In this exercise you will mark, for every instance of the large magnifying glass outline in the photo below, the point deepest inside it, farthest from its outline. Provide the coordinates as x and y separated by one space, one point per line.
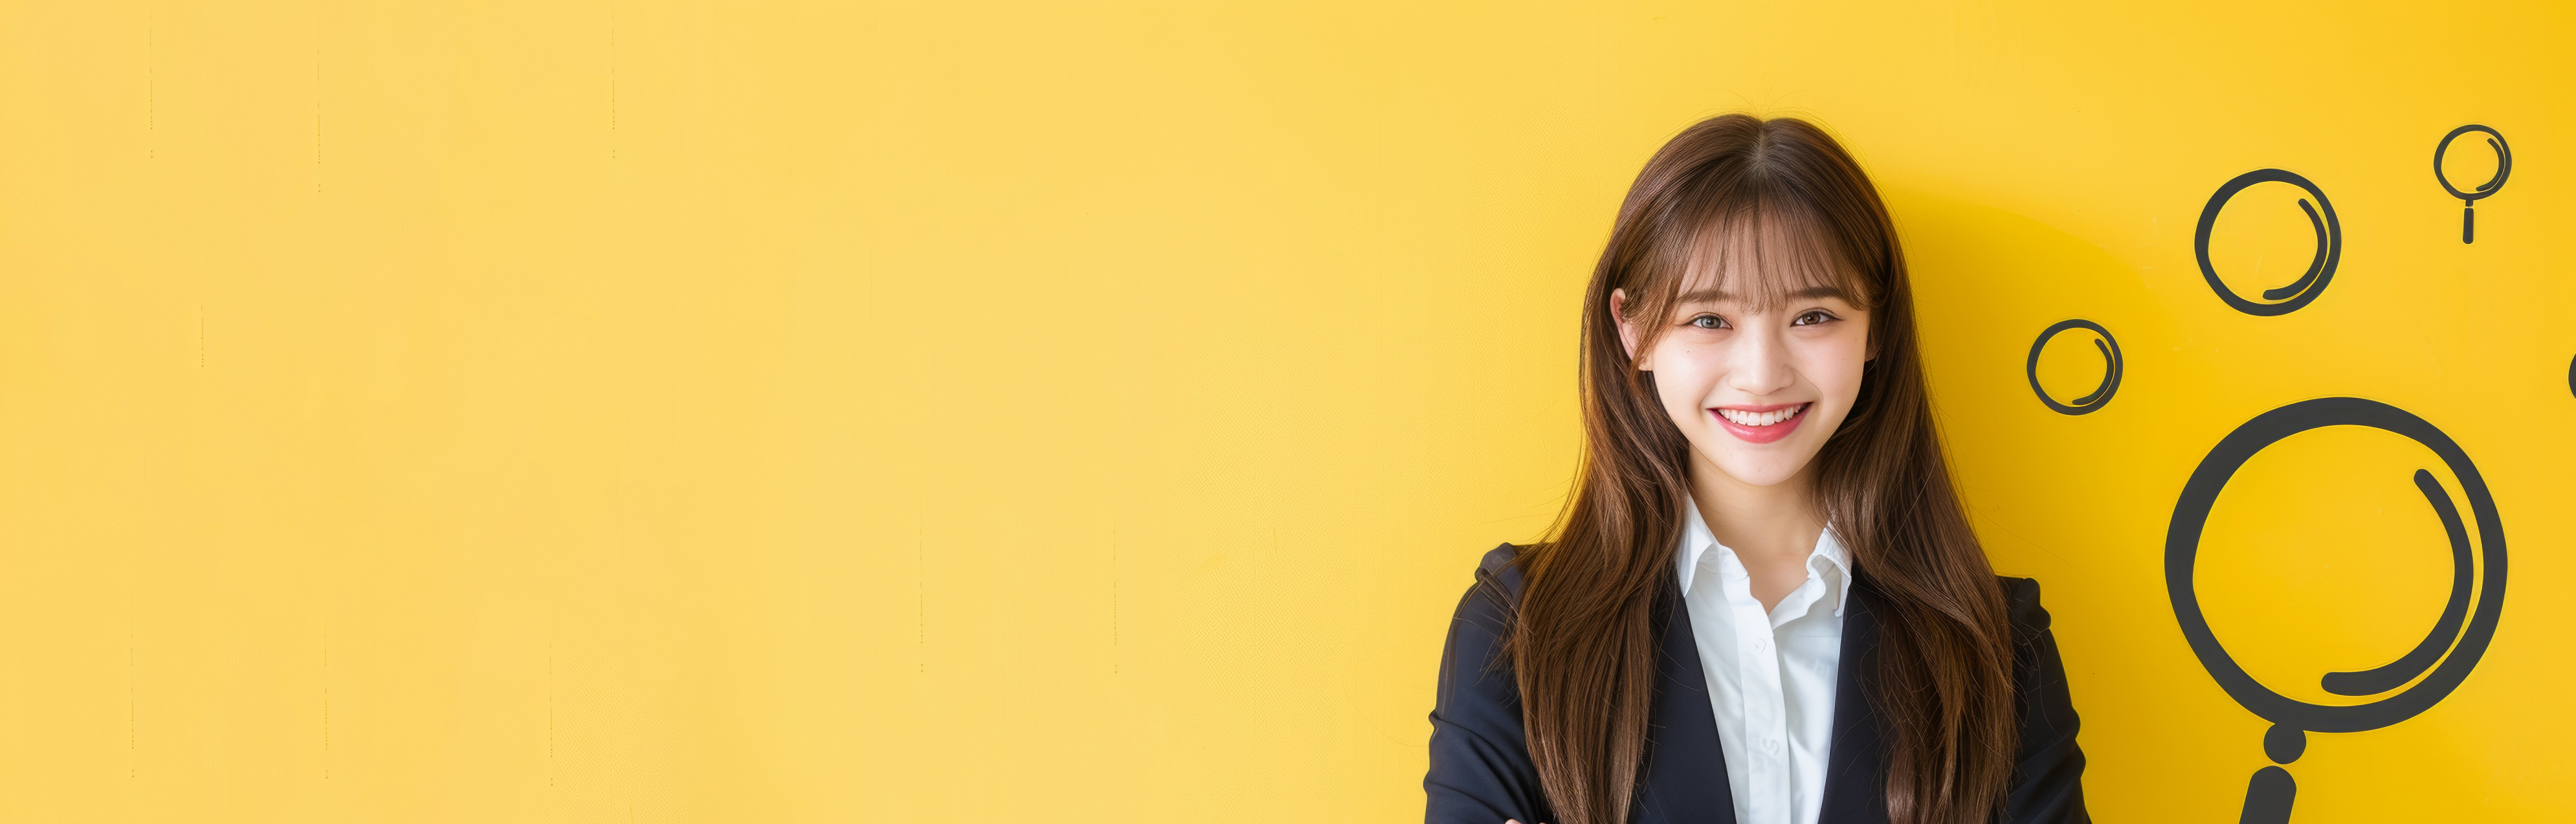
2469 199
2463 631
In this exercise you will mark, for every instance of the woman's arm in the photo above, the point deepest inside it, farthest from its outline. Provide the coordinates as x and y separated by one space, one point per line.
1480 766
2048 783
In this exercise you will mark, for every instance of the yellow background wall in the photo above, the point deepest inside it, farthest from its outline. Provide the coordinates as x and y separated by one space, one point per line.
632 411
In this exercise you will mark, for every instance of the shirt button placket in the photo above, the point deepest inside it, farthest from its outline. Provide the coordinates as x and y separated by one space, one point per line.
1765 713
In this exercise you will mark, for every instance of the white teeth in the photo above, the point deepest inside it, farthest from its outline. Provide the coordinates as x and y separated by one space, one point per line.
1743 418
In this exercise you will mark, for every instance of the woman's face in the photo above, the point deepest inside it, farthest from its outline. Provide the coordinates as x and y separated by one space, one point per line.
1756 392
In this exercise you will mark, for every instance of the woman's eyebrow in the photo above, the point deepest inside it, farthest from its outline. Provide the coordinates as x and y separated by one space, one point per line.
1716 295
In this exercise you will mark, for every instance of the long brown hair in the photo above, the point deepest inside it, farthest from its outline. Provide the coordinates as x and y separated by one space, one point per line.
1785 205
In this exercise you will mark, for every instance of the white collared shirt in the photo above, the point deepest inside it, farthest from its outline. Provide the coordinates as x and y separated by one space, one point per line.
1770 674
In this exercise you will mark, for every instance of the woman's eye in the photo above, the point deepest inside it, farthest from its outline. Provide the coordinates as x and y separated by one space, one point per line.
1709 322
1811 318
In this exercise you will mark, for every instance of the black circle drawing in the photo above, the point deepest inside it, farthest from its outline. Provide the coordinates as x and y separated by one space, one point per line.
2444 658
2571 377
2101 395
2321 269
2469 199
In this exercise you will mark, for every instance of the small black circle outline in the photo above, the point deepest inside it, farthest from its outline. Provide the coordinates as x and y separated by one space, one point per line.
2110 348
2321 269
2504 163
2191 514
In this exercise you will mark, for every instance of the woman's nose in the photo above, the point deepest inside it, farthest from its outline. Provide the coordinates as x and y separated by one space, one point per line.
1760 365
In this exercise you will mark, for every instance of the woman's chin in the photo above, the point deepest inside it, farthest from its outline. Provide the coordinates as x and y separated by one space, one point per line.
1773 469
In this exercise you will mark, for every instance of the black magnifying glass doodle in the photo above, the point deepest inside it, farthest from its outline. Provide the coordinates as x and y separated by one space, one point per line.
2321 268
2434 667
2469 199
2110 350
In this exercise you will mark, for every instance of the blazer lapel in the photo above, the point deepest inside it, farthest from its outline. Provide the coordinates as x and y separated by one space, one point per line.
1684 777
1855 765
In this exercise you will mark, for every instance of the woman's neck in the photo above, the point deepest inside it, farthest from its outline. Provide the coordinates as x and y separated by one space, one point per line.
1772 529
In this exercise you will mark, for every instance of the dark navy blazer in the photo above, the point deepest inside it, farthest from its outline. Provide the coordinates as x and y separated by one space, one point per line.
1481 771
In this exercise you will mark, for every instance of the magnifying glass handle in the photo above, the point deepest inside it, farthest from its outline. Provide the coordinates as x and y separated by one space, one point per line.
2267 797
2469 223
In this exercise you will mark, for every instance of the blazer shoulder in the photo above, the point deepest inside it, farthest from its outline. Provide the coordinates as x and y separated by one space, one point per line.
1497 569
1494 597
2021 604
1482 626
2048 778
1480 770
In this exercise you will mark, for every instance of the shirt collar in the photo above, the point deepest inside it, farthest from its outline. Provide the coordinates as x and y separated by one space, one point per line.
1697 540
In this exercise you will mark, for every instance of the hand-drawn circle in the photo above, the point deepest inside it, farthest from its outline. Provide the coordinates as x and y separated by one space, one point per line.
2110 349
2191 514
2504 162
2571 377
2321 269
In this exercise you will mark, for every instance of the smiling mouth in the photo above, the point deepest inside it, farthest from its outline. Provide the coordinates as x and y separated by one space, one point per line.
1761 424
1745 418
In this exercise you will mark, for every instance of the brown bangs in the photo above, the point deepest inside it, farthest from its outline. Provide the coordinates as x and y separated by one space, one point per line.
1750 242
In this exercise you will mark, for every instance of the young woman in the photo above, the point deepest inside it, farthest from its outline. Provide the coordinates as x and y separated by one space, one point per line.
1763 603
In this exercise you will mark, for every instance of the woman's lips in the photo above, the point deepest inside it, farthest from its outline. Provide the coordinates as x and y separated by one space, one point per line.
1760 424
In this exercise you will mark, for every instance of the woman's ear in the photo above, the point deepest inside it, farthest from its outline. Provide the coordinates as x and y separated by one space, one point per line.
1627 333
